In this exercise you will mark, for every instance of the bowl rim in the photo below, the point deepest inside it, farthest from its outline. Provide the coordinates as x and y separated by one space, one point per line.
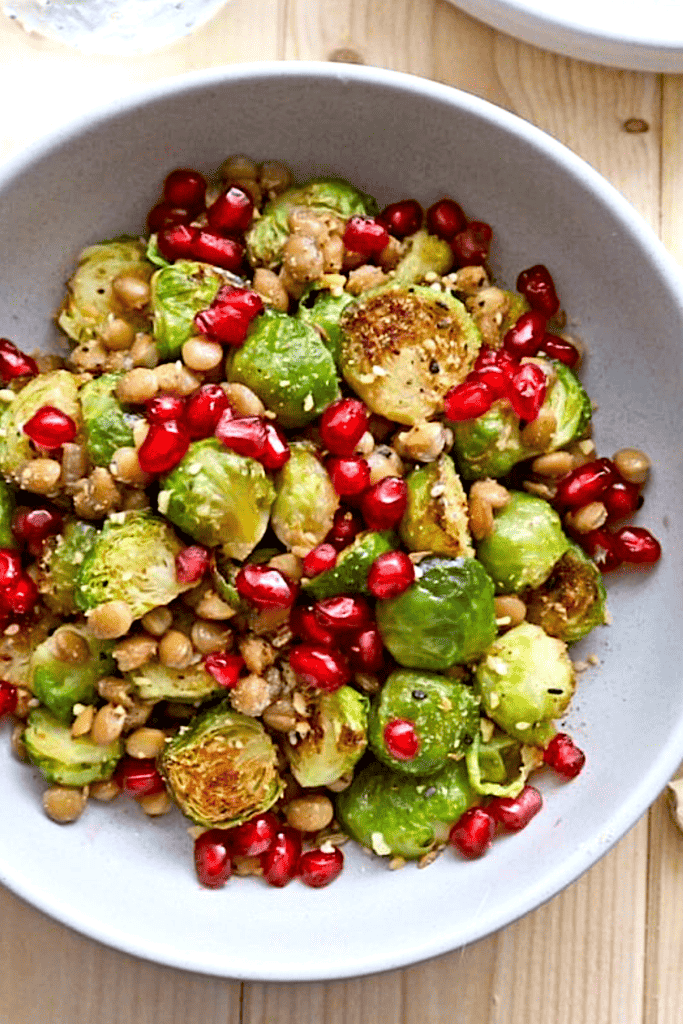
640 798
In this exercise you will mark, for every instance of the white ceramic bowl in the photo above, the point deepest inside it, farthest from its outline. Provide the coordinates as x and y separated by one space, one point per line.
128 881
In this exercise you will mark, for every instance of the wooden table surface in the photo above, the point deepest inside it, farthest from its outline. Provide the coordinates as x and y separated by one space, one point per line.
609 949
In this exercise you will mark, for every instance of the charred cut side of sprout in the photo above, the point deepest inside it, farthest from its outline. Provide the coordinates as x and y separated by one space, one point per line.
336 741
436 517
572 601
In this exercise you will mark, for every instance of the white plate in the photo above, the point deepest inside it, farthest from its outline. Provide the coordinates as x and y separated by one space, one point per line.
626 34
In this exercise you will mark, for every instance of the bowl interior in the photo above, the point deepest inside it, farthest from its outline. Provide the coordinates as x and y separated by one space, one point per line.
128 880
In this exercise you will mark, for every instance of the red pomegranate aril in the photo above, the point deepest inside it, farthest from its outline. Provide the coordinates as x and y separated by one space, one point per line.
350 475
228 317
499 358
304 624
473 832
20 597
225 668
342 425
232 211
526 335
557 348
366 653
212 857
471 245
365 235
621 499
255 836
245 435
402 218
538 288
585 483
343 613
14 363
445 218
277 451
10 567
191 564
50 428
8 698
564 756
163 448
265 587
185 187
165 407
468 400
281 860
204 409
33 525
494 377
321 558
384 503
320 667
601 547
225 253
401 739
139 776
176 243
515 813
527 390
390 574
317 868
346 524
636 545
167 215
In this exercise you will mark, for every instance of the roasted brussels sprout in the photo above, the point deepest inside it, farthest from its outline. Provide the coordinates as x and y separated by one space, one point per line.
501 765
132 560
525 681
443 712
7 539
350 574
446 617
398 815
330 196
106 424
572 600
436 517
218 497
62 563
285 362
324 315
58 388
60 684
179 292
336 741
222 769
63 758
403 348
526 542
153 681
425 254
570 403
305 501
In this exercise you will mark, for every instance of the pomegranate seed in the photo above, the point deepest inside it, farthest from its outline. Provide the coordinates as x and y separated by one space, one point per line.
345 526
564 756
165 216
191 564
281 860
20 597
365 235
265 587
176 243
384 503
515 813
10 567
165 407
318 868
246 435
636 545
558 348
343 614
204 409
32 526
471 245
585 483
277 452
472 833
304 624
219 252
139 776
319 559
225 668
350 475
601 547
527 390
538 288
499 358
232 211
494 377
366 653
212 857
342 425
402 219
14 363
445 218
255 836
390 574
228 317
319 667
8 698
50 428
185 187
163 448
467 400
526 335
621 499
401 739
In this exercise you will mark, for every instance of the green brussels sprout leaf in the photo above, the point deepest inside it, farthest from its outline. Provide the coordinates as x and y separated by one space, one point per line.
350 573
106 424
305 502
64 759
58 388
60 684
179 292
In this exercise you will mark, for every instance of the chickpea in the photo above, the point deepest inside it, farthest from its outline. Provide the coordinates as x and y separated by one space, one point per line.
136 386
64 804
110 620
107 725
202 355
310 813
157 621
175 650
117 334
131 291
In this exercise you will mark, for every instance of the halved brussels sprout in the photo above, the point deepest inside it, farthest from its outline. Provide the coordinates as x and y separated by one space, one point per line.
324 315
16 649
106 424
153 681
285 362
350 574
425 254
337 739
403 348
401 816
7 538
218 497
65 759
60 684
61 565
222 769
436 517
58 388
132 560
305 501
444 712
446 617
500 766
526 542
516 305
572 600
526 680
179 292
